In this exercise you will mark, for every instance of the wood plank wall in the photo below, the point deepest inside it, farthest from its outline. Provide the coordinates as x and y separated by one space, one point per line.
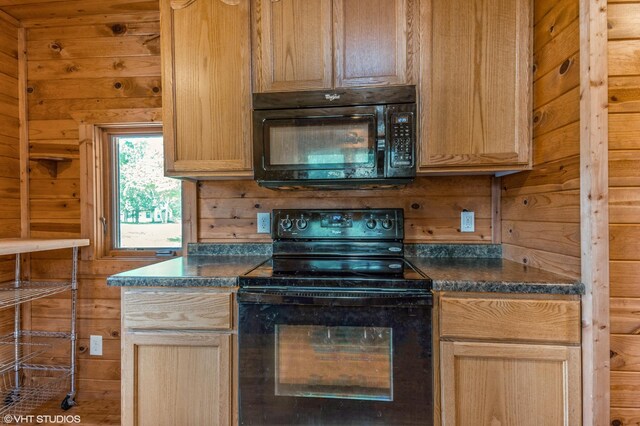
624 209
115 64
432 205
541 208
87 63
9 153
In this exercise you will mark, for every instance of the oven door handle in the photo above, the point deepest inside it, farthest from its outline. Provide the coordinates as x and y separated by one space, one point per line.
334 298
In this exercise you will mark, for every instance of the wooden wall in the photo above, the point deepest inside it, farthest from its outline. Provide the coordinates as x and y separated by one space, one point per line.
113 63
9 152
432 205
9 134
87 63
624 209
541 208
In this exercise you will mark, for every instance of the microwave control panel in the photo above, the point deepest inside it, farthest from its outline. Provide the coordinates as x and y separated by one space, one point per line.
402 138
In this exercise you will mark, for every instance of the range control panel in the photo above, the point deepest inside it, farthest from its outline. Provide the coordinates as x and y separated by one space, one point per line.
373 224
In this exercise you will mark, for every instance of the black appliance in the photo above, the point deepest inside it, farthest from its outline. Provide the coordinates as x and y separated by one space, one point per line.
337 139
335 328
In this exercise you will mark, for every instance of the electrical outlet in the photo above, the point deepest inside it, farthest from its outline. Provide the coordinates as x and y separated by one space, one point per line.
264 223
467 221
95 345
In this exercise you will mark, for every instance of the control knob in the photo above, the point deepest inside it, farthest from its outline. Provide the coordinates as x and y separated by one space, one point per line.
286 224
302 223
371 223
387 223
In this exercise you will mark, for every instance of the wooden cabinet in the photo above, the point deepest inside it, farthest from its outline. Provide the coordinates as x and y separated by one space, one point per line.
475 85
292 45
510 384
206 75
176 378
509 360
322 44
177 350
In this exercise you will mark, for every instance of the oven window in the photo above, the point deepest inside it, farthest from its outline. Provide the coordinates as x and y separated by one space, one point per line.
334 362
322 143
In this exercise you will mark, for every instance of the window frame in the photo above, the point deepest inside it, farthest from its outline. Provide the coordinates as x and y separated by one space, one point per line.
108 188
95 188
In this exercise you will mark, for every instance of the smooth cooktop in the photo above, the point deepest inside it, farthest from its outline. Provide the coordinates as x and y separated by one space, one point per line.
337 272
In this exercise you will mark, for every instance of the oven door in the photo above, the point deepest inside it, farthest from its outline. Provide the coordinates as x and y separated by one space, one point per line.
319 143
310 358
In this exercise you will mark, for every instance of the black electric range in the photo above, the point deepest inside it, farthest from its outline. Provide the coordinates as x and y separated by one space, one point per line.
335 328
338 249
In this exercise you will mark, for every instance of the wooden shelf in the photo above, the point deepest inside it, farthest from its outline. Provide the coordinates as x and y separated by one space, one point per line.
26 245
50 162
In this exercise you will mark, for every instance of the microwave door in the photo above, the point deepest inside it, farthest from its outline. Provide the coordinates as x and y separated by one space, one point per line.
321 147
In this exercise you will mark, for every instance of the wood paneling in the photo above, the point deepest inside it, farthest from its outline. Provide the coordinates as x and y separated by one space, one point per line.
9 154
83 68
47 9
541 207
624 208
227 209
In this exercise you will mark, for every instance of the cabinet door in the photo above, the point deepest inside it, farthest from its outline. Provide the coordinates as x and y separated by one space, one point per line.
373 42
475 86
171 378
510 384
292 45
206 75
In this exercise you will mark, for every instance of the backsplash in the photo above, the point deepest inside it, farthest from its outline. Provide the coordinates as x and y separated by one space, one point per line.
432 205
433 250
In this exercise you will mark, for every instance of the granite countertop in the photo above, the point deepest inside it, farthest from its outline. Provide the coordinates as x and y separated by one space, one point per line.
493 275
472 268
190 271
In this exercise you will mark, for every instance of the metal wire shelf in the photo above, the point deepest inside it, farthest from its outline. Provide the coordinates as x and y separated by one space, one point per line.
25 352
15 292
26 397
21 390
35 333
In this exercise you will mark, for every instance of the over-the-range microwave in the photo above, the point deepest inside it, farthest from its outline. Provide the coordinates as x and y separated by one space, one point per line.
346 138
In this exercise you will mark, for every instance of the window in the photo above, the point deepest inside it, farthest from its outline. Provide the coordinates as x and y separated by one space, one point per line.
141 209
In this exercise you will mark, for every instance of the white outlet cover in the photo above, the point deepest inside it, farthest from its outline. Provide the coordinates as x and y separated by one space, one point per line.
263 222
95 345
467 221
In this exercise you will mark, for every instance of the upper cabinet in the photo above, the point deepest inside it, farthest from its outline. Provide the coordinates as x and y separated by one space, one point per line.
323 44
475 85
206 75
292 45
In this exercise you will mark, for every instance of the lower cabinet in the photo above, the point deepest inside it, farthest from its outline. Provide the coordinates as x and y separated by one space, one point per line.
509 384
177 349
509 361
176 378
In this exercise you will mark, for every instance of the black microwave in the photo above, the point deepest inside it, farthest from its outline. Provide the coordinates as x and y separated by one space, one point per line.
348 138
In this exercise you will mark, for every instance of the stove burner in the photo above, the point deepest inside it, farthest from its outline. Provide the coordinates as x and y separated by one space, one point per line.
337 248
